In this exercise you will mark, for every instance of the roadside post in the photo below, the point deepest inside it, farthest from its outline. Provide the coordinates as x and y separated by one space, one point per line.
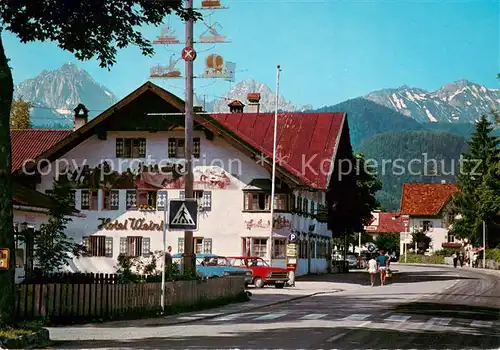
291 257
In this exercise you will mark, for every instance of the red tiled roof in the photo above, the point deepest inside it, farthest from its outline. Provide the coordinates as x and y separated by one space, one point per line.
421 199
387 223
236 103
308 136
30 198
30 143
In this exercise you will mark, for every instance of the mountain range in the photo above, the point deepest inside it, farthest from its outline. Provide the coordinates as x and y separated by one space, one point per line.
402 122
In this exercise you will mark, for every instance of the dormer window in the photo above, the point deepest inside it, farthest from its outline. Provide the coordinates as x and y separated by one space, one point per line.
236 106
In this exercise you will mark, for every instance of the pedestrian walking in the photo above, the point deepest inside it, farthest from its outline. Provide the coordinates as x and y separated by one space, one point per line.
382 263
455 259
372 270
461 259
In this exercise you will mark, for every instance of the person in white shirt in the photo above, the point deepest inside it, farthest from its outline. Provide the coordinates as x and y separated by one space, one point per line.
372 269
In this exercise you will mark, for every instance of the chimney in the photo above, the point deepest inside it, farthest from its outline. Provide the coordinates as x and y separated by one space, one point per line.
236 106
81 116
253 102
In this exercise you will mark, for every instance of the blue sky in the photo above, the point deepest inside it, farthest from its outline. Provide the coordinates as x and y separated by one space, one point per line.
329 51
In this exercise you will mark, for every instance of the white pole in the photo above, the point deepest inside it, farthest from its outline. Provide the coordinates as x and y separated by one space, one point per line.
162 302
273 177
360 243
484 244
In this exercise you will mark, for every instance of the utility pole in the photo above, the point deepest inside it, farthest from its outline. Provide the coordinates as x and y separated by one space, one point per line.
189 265
484 244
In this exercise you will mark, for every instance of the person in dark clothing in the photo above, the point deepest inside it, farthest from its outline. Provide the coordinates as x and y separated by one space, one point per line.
461 259
455 259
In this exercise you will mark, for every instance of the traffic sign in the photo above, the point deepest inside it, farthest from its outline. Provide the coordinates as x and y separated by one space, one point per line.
183 215
292 237
188 54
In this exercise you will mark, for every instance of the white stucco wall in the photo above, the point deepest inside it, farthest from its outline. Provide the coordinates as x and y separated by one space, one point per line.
438 233
225 224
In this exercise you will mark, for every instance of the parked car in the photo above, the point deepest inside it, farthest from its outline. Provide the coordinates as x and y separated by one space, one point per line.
262 273
211 265
353 261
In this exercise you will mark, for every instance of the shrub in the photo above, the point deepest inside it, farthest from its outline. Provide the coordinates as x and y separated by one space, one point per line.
412 258
493 254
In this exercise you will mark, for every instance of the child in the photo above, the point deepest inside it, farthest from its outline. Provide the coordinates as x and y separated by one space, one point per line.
372 269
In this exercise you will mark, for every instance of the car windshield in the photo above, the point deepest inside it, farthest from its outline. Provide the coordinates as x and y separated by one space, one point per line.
256 262
214 261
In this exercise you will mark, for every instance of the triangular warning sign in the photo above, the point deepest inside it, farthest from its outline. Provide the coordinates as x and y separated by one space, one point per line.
183 217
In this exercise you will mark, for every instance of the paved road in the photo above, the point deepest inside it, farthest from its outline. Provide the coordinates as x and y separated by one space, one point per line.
422 308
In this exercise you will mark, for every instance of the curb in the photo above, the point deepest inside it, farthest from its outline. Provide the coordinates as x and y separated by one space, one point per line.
251 308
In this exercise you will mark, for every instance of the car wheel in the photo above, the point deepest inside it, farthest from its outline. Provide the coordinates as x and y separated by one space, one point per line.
258 282
279 285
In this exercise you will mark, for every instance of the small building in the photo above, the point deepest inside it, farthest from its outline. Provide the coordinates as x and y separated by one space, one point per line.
384 223
128 162
427 208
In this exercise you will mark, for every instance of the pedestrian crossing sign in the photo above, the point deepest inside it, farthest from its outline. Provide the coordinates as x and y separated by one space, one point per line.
183 215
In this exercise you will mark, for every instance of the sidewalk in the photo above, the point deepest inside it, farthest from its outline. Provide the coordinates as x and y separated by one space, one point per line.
465 268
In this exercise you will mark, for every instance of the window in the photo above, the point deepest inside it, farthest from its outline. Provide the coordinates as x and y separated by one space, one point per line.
279 250
259 247
280 201
204 199
131 199
176 147
451 238
198 245
426 225
99 245
305 205
89 200
147 198
201 245
130 148
135 246
257 201
110 199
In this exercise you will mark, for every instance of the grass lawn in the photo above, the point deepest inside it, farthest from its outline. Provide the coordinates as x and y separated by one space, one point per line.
12 333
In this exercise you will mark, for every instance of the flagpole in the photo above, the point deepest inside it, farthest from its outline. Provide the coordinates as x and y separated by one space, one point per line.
273 177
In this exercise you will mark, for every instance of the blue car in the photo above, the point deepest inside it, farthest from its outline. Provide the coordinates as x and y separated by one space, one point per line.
211 265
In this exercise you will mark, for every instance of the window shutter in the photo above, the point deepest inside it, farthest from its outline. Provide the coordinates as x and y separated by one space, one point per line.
85 199
86 243
146 246
109 247
207 200
123 245
114 200
119 148
181 195
161 199
180 245
207 245
131 199
172 148
142 148
248 201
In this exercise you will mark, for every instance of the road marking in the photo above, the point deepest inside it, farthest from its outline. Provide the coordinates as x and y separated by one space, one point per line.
269 317
485 324
356 317
228 317
440 321
313 316
363 324
188 318
395 318
335 337
207 315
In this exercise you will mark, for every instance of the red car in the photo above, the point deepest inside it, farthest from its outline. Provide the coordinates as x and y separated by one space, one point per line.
262 273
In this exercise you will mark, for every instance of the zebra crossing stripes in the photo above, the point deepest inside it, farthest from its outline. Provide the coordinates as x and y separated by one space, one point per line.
269 317
397 318
356 317
313 316
439 321
481 324
227 317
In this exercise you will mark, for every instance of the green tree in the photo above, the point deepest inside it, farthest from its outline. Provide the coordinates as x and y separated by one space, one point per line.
88 29
422 240
20 115
53 246
388 242
479 184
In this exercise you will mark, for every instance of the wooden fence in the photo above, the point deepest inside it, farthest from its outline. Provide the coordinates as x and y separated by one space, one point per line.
104 300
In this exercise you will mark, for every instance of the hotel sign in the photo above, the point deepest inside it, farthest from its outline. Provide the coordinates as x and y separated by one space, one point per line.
129 224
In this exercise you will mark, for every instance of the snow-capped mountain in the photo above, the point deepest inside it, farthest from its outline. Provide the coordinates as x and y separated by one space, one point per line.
240 92
54 95
458 102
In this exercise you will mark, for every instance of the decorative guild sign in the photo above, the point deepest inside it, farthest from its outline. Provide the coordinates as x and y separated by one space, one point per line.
129 224
169 71
211 5
166 37
214 36
215 68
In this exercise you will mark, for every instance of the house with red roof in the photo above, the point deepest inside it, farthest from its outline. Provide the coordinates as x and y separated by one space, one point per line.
426 205
127 163
385 223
